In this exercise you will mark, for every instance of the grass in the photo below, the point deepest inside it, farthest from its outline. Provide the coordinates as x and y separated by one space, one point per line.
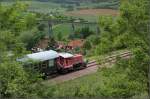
104 4
45 7
78 87
42 7
66 29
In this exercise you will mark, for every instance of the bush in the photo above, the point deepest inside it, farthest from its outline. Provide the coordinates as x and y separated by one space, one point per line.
94 39
31 38
70 8
15 81
81 33
87 45
126 40
104 46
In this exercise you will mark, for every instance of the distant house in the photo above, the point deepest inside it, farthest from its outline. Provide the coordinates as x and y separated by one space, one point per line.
61 45
71 45
75 44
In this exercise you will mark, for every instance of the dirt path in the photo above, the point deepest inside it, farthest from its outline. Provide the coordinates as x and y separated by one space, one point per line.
74 75
93 12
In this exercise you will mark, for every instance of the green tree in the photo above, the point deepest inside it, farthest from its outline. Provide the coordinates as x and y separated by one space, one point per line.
15 80
87 45
85 32
59 36
130 31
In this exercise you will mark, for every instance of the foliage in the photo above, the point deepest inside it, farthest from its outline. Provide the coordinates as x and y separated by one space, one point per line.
126 40
94 39
59 36
136 71
41 27
32 39
85 32
105 44
117 84
52 44
12 18
128 31
15 81
87 45
82 33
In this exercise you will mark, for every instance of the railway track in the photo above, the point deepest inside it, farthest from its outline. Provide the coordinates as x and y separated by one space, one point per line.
92 67
110 59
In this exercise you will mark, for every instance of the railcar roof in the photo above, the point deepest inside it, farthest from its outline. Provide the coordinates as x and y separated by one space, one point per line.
65 55
41 56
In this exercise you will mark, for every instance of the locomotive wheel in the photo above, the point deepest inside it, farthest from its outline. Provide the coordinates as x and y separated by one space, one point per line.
80 66
63 71
84 65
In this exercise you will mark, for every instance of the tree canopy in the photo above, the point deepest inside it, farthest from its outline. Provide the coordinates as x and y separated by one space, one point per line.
15 81
129 31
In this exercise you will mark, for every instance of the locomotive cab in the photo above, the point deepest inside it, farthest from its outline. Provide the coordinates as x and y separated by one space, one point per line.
64 61
67 61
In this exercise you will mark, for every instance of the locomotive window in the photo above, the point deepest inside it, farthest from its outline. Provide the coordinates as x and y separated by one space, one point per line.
51 63
44 64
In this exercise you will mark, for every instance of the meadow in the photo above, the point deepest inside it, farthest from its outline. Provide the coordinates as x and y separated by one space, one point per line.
66 29
78 87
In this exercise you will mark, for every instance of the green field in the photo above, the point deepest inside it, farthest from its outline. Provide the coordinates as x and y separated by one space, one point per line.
42 7
66 29
113 4
78 87
45 7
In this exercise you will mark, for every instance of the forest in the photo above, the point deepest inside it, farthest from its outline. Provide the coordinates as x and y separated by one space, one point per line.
21 30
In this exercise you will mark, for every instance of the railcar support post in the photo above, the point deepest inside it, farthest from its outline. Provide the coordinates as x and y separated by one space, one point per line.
49 28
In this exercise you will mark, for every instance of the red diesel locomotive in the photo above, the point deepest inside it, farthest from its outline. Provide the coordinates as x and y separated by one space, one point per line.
67 61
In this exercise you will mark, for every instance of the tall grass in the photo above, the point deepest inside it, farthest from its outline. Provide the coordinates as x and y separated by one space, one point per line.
87 85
